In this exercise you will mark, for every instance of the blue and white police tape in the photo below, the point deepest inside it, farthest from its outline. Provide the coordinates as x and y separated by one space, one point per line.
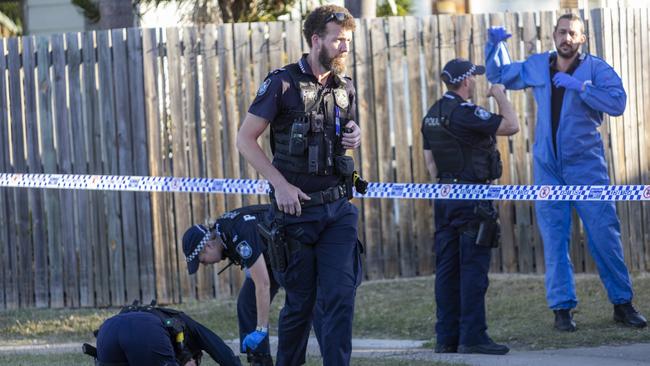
375 190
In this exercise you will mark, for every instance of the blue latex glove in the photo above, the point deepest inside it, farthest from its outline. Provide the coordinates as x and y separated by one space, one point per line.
564 80
498 34
253 340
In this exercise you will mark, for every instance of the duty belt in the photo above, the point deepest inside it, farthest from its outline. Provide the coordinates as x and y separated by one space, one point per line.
328 195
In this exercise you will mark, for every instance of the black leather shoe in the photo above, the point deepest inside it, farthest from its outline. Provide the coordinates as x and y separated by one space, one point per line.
489 348
446 348
564 320
627 314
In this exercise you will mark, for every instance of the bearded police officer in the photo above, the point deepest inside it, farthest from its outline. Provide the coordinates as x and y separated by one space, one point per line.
310 108
460 148
234 236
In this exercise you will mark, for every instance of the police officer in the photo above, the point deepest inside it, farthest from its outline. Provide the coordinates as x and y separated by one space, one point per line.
460 148
147 335
310 108
234 236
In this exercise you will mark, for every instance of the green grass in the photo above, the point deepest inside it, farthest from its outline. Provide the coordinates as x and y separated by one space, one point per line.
67 359
400 309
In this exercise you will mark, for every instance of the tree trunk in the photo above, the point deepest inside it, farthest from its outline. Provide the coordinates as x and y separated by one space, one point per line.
115 14
362 8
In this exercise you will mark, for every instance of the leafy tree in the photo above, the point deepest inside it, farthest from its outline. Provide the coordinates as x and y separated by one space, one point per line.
403 7
13 16
203 11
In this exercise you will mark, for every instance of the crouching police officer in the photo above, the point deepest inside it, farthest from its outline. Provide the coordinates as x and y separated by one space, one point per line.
234 236
310 108
460 148
151 335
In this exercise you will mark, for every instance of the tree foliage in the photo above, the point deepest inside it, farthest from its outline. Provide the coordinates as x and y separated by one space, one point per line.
13 13
205 11
403 8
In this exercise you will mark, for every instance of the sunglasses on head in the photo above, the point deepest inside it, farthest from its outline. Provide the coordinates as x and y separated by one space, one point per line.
338 16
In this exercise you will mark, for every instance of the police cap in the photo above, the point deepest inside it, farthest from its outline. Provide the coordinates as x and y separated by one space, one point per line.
194 240
460 69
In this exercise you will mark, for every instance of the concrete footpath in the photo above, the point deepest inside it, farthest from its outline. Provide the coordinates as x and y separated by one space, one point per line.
628 355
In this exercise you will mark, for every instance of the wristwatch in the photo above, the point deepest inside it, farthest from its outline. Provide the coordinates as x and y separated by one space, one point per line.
262 329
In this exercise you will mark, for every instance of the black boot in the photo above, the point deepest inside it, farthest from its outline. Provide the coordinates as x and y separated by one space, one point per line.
446 348
564 320
489 348
627 314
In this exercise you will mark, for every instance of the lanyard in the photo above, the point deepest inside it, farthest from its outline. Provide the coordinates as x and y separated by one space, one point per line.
337 118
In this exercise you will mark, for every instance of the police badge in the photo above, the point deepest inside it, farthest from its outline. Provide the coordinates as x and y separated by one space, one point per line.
341 97
482 113
244 249
263 87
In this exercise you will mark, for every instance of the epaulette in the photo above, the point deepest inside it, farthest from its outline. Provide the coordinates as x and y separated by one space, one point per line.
276 71
467 104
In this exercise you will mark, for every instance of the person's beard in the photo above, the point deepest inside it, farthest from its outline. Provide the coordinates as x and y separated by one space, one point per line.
573 49
334 64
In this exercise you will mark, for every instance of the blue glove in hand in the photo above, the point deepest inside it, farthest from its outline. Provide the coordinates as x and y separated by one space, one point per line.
498 34
253 340
564 80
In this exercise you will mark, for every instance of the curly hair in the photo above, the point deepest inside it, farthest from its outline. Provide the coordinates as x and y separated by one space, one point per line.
316 21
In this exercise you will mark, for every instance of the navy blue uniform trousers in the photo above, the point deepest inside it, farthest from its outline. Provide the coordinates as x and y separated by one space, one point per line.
137 338
327 263
461 275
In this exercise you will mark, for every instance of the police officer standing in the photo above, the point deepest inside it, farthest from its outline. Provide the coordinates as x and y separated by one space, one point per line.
234 236
460 148
153 336
309 106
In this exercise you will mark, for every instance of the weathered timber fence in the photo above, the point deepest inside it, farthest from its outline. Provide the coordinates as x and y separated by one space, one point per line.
168 102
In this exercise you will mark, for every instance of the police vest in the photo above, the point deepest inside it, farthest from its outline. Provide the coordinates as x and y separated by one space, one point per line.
307 139
224 227
456 158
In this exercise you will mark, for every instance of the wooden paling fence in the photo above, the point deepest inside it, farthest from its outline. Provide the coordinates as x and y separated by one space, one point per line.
168 102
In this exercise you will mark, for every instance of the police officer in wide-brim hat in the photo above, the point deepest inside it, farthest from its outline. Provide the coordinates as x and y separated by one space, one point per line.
460 148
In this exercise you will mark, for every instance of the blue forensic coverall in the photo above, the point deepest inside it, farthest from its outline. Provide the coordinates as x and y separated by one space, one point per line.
579 160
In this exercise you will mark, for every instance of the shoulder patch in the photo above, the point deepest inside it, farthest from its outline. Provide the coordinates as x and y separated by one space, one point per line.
249 217
482 113
244 249
264 87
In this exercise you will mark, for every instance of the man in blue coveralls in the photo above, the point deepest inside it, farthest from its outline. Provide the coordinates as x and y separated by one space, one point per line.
572 91
310 108
460 147
235 236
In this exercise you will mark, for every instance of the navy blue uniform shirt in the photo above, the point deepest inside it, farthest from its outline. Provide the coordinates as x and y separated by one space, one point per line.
241 229
278 95
470 122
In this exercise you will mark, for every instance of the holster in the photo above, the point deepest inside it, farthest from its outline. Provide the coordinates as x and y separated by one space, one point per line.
279 244
489 231
276 245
